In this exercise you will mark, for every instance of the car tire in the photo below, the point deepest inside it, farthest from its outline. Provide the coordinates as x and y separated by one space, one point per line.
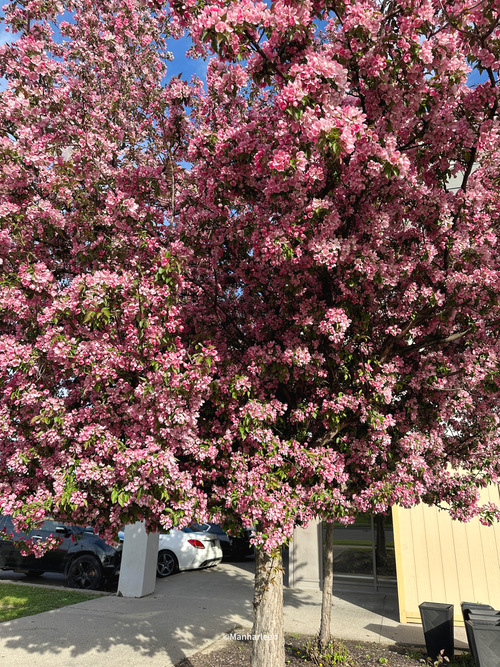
167 564
84 572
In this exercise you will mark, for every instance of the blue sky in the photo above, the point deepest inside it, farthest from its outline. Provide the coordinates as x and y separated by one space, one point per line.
5 37
182 65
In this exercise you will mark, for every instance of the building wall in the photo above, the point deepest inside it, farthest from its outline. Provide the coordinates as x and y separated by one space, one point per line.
440 560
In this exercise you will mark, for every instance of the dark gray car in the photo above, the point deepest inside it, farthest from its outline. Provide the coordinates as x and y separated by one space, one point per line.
84 558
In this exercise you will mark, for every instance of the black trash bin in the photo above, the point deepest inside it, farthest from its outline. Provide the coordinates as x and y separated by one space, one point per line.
469 608
474 608
437 622
491 615
484 641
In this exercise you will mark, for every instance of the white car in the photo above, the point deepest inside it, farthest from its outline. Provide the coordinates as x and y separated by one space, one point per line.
183 549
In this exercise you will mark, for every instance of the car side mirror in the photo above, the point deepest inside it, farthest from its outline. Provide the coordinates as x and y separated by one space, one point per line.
63 530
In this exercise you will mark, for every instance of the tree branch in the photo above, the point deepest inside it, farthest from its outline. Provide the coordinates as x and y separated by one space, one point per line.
264 56
431 342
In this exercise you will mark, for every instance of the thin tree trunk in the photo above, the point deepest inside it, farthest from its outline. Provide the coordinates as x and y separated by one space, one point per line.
327 595
268 645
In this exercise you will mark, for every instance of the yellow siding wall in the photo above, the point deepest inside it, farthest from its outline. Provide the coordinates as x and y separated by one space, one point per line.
440 560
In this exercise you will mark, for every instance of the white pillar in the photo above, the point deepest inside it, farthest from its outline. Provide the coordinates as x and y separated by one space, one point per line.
305 558
139 558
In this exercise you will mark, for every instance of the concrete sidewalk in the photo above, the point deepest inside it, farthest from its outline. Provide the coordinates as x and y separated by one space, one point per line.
186 614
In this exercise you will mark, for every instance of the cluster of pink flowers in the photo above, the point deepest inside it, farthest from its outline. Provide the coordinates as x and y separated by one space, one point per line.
334 325
256 299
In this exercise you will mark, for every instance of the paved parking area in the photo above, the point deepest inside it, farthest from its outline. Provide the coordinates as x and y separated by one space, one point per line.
186 614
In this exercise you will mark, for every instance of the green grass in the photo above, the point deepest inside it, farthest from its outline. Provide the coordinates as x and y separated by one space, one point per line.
19 600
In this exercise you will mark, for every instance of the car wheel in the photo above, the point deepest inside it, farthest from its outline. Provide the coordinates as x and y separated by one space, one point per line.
167 564
84 572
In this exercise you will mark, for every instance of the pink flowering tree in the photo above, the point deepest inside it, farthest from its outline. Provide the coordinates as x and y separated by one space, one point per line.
350 289
99 393
305 322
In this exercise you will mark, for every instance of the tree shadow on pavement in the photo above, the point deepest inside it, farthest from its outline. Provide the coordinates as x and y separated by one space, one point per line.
184 615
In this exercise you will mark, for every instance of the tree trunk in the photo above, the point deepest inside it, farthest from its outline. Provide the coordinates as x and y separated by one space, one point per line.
268 645
326 599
